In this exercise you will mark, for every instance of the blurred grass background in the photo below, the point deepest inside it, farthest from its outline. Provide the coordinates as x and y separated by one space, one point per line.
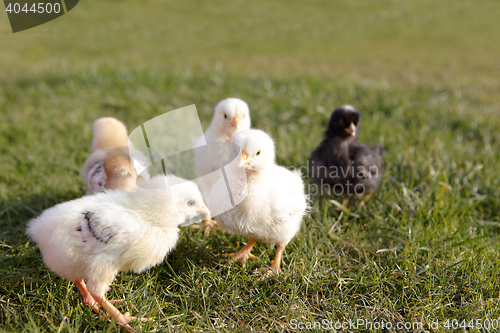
450 41
425 77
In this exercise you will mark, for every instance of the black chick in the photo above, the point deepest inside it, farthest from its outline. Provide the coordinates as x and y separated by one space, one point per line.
341 165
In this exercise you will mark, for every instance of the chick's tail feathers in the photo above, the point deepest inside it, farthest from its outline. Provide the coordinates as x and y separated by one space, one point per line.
109 132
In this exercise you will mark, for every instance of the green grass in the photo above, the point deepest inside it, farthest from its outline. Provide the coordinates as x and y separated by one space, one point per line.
424 76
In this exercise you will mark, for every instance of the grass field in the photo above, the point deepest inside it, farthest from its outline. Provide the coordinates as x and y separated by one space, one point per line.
425 248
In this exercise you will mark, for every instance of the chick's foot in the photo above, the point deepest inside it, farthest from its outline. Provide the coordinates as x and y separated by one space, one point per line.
275 264
114 314
244 254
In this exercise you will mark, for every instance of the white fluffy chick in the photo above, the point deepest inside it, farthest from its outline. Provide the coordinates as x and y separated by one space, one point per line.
93 238
231 116
271 199
110 166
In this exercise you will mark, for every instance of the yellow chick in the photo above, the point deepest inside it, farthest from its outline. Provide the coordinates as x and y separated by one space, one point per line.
269 199
95 237
231 116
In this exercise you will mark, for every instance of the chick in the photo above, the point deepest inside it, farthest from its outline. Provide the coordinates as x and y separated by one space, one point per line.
96 237
341 163
110 166
270 200
231 116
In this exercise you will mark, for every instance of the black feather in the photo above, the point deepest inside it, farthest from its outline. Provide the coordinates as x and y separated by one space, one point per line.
102 233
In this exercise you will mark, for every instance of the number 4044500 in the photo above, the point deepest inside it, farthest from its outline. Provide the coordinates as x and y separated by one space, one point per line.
38 8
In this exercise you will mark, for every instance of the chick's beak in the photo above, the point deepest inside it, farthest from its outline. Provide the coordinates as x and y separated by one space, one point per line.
204 210
236 122
351 130
243 159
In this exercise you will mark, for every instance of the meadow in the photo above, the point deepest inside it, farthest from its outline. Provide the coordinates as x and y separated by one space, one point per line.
424 249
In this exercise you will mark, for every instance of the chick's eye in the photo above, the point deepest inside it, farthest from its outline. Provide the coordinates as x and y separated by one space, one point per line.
191 203
225 116
258 153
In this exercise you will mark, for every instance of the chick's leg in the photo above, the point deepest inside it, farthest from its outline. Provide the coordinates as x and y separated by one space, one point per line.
345 201
116 315
87 297
243 254
208 225
365 199
276 263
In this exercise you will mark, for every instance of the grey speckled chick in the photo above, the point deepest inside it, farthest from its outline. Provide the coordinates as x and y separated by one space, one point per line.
341 165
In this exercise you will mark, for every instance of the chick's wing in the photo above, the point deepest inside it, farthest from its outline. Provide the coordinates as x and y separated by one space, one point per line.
108 230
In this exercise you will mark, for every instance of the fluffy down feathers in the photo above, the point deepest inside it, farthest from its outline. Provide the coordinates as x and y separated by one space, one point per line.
95 237
270 199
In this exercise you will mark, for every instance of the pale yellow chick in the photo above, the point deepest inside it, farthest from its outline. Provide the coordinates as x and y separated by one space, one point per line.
95 237
110 165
